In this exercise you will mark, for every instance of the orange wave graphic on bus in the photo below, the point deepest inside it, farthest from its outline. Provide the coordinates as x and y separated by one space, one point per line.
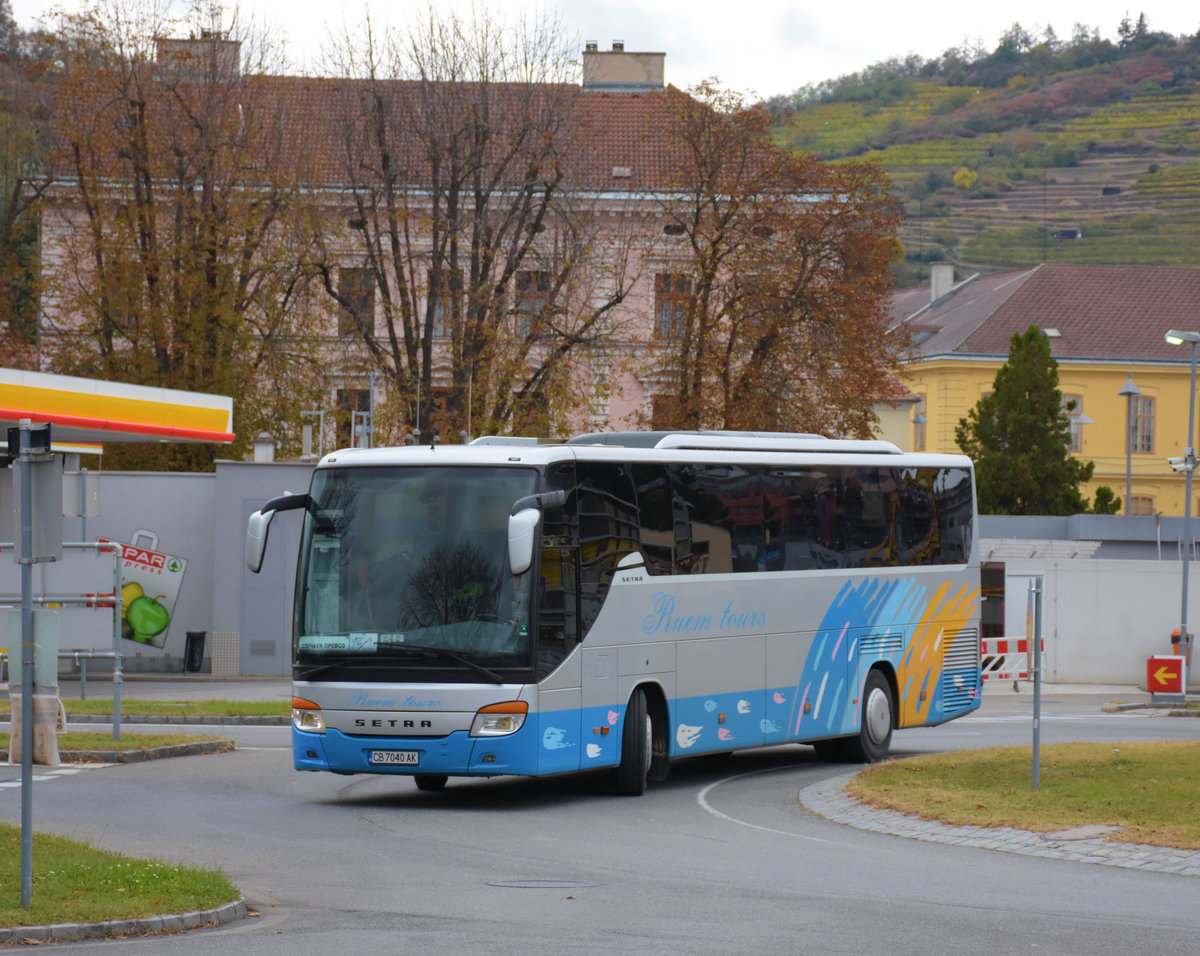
944 616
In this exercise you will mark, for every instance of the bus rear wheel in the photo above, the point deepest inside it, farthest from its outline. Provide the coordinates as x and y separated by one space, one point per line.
637 735
875 728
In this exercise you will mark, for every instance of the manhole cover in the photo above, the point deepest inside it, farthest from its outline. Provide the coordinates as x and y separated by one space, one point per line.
544 884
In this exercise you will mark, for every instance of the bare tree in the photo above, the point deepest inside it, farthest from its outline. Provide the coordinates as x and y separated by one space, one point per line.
773 315
174 257
497 272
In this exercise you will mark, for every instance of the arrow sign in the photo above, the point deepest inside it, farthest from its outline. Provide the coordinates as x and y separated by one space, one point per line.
1164 674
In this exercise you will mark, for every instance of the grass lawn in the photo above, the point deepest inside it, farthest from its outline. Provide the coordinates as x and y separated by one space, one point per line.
74 882
1150 789
104 741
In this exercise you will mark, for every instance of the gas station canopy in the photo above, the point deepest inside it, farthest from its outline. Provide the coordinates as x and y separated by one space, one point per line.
88 410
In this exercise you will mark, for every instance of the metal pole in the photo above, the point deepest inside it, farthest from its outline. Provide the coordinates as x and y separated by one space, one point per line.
26 560
118 556
1130 391
371 411
1128 449
1190 456
1035 656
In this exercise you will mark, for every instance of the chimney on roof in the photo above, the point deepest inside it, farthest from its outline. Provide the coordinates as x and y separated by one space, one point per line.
941 280
209 57
618 71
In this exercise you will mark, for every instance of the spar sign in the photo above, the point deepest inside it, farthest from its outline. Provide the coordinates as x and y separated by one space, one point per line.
150 583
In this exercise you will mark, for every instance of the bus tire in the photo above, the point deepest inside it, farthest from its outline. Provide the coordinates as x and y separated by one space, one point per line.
874 736
636 741
430 781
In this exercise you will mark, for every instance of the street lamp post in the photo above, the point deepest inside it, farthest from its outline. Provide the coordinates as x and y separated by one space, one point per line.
1186 464
1130 391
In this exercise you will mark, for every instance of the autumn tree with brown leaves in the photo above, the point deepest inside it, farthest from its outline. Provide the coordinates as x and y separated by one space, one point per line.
778 315
176 262
472 271
26 88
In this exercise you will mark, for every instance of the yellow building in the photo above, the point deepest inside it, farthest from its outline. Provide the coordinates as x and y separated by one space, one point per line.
1106 326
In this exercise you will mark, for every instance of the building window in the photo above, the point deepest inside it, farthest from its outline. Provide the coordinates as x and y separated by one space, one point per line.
529 306
1141 424
919 423
1073 406
672 301
352 405
357 290
442 295
1141 505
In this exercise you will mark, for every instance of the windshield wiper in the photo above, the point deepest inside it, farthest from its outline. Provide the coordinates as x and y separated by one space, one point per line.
397 651
451 656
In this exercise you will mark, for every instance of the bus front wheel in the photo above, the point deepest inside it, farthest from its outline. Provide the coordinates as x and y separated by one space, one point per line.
430 781
875 729
637 734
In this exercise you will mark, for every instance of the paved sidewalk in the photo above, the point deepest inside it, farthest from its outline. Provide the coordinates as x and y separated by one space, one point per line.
829 799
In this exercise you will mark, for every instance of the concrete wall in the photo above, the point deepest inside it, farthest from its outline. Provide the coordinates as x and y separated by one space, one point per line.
254 607
1102 618
198 517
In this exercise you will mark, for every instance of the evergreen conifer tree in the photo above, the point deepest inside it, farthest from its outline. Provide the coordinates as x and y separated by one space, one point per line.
1020 437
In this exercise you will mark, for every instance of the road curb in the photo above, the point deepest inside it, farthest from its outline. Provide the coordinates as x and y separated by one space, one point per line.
193 749
227 721
243 721
1167 710
145 926
830 799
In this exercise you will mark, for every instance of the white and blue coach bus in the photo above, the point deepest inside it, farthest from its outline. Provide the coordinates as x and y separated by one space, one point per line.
623 599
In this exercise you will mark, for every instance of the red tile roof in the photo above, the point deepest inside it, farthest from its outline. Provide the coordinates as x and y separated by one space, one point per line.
1117 313
612 140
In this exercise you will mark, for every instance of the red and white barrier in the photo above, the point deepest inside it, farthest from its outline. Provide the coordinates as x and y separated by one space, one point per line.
1005 658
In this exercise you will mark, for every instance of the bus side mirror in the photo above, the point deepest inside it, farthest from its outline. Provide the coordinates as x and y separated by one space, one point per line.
260 524
522 528
256 538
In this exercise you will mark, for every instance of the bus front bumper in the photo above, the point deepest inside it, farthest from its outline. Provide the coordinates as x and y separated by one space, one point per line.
455 754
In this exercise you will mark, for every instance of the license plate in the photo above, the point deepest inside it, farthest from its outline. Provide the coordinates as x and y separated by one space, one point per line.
402 758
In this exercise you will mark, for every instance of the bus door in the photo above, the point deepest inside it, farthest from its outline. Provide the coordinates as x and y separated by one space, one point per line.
559 671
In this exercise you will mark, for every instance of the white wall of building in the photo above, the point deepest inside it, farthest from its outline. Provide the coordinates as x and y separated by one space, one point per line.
1102 619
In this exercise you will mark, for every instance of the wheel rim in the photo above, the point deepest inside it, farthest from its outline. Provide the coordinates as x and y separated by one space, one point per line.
877 715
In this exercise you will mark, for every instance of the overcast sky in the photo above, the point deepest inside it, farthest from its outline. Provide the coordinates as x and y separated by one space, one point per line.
762 47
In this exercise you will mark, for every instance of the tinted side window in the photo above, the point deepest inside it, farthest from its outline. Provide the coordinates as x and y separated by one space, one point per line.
954 496
705 495
870 504
656 517
557 595
608 530
918 530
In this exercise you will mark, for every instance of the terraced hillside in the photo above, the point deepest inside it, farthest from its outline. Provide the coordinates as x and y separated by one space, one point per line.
1100 165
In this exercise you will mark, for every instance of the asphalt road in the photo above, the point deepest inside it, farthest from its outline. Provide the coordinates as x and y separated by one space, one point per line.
720 859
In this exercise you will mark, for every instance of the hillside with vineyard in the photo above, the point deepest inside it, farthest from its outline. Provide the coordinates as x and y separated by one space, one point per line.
1087 152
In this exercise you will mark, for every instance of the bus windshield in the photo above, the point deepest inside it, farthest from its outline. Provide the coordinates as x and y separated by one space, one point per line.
408 567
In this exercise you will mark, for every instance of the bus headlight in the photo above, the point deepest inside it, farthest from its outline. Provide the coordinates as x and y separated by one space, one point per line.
499 720
307 716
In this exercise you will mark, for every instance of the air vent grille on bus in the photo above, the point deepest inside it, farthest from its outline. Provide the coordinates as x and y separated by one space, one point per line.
881 644
960 672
